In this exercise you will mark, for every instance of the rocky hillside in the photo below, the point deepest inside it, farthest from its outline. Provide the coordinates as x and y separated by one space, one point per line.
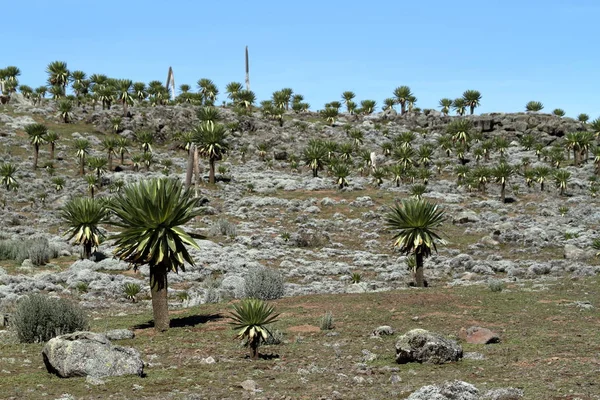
266 211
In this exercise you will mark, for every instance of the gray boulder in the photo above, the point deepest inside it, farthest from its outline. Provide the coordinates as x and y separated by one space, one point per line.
454 390
90 354
465 217
422 346
572 252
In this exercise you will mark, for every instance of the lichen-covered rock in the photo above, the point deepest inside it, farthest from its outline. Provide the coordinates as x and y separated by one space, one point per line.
454 390
119 334
423 346
90 354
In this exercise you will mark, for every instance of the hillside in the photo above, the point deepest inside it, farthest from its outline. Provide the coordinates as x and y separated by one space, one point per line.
267 210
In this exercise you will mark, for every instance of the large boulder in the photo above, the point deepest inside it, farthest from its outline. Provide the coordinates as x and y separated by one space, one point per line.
422 346
454 390
90 354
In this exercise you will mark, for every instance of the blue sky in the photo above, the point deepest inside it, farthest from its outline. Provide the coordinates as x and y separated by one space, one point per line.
511 51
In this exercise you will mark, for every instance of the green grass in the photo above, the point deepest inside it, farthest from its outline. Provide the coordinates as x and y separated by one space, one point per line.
547 347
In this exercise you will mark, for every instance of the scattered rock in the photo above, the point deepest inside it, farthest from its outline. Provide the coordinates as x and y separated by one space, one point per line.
367 356
384 330
419 345
455 390
90 354
478 335
92 380
472 355
119 334
572 252
249 385
465 217
583 305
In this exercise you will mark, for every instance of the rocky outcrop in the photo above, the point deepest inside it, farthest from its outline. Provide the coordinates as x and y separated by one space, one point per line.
423 346
459 390
455 390
90 354
511 125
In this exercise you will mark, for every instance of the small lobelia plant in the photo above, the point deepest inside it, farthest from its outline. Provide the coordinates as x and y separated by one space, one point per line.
418 190
411 265
131 290
327 321
183 296
563 210
355 277
596 246
250 318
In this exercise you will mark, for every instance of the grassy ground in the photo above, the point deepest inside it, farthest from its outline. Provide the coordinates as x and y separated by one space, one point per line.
549 348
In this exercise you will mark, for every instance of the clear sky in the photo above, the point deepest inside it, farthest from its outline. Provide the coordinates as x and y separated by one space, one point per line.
511 51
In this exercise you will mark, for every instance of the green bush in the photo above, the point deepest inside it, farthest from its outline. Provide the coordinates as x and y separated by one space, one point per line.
39 318
264 284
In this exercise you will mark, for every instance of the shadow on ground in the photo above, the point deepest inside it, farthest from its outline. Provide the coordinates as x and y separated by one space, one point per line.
181 322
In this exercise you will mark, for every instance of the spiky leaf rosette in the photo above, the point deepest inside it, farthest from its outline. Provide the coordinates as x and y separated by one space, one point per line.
151 213
413 222
83 216
250 317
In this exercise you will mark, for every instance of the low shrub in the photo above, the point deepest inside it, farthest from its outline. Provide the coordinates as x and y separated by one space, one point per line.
264 284
496 285
38 250
223 227
310 239
212 296
39 318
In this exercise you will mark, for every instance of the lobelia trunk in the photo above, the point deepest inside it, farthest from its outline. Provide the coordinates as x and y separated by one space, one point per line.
419 275
196 170
211 174
35 155
189 172
87 250
158 288
254 348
